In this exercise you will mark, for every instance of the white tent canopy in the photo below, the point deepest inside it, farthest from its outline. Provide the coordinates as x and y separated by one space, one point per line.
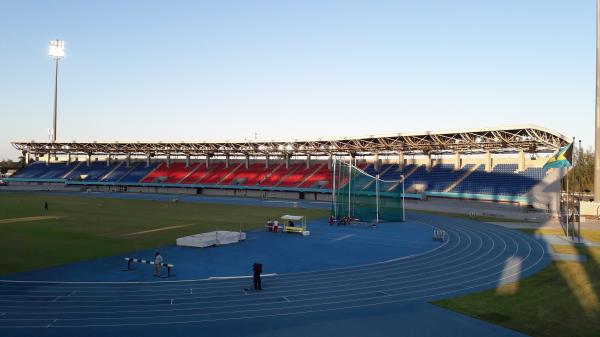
292 217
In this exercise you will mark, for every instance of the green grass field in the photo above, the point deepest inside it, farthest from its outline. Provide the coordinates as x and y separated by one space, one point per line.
561 300
88 227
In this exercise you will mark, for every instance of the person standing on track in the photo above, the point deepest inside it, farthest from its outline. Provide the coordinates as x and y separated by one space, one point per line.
257 270
158 260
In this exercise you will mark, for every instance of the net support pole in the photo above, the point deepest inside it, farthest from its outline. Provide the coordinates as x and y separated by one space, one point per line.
349 186
333 199
403 207
377 197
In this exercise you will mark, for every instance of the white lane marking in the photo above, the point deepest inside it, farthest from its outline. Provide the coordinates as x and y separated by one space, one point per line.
49 324
286 299
385 293
71 293
344 237
56 298
238 277
191 291
171 301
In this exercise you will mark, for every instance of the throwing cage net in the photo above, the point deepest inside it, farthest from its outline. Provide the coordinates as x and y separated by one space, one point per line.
364 197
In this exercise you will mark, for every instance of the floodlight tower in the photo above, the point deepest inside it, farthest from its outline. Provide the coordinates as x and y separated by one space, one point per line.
56 50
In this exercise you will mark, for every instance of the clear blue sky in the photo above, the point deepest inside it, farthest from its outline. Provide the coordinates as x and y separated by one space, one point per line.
194 71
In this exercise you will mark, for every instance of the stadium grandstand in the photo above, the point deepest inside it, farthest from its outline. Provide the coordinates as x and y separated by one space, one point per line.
501 164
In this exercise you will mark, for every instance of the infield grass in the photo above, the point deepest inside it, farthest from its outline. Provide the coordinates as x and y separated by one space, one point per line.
77 228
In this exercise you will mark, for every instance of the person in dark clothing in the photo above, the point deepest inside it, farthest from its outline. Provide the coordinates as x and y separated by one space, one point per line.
331 220
257 270
45 205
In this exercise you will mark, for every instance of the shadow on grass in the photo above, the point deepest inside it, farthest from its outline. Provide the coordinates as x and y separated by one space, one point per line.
561 300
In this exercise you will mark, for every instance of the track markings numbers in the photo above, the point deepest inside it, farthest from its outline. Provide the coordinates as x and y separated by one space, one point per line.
191 291
56 298
49 324
286 299
71 293
385 293
171 301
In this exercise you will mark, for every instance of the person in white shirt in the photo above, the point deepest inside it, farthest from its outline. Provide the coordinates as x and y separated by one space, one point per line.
158 260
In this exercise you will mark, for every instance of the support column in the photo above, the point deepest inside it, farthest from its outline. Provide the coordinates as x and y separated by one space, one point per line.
128 162
247 161
521 160
308 161
108 160
47 158
267 161
488 161
457 161
401 159
89 159
330 162
168 160
187 160
148 160
428 161
68 158
207 161
227 160
287 161
377 163
26 157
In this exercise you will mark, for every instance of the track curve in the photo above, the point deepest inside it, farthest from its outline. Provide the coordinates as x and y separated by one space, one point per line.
476 256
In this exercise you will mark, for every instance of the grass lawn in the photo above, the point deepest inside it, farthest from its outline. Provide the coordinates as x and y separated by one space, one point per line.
90 227
561 300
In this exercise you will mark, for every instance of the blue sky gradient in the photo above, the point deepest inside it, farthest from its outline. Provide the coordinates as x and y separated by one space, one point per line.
223 70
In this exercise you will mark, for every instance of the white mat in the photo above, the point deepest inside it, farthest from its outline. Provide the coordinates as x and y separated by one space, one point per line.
209 239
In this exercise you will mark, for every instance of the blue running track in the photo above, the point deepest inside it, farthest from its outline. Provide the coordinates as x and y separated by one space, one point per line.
382 291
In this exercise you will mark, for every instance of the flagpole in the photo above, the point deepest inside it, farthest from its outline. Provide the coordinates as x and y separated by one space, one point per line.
597 111
567 176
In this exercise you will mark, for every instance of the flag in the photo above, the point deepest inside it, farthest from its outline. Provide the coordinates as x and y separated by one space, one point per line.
562 158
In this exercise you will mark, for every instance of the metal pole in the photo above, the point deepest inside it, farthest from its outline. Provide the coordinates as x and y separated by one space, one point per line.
579 155
377 196
597 115
567 176
333 192
55 103
403 206
349 184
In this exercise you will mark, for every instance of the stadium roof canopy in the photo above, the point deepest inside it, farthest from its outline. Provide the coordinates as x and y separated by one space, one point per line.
528 138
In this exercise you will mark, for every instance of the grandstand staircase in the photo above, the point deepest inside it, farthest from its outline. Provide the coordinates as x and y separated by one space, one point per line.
133 167
209 171
408 174
230 173
380 174
460 180
71 171
286 176
189 174
311 174
149 173
270 174
106 176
